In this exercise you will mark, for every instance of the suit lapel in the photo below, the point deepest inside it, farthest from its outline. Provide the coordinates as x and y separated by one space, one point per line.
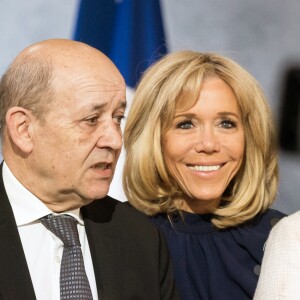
15 281
105 243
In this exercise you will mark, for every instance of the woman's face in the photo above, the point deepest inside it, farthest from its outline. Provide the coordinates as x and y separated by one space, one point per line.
204 146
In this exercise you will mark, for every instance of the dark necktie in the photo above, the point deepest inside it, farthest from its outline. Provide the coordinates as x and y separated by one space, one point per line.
74 283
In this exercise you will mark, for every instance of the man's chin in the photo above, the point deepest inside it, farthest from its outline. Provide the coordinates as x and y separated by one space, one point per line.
96 195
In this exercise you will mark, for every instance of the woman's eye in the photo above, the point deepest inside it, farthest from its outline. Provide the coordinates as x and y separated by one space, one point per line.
185 125
228 123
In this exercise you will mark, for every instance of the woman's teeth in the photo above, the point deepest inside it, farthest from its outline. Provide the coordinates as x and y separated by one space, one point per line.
205 168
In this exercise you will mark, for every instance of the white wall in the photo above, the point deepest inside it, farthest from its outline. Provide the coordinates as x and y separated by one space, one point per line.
24 22
263 36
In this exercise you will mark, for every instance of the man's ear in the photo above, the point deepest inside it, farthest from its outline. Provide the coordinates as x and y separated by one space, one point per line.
18 121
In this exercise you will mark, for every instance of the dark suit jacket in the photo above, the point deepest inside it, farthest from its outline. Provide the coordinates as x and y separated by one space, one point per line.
129 254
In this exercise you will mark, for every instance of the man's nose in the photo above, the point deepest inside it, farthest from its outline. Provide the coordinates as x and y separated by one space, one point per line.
110 136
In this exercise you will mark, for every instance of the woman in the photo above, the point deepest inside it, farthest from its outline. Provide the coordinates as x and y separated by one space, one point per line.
280 273
201 160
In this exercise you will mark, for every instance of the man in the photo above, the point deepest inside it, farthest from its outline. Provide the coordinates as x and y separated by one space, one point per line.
61 105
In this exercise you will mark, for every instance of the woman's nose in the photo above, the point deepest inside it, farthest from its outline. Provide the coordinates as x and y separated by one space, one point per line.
207 141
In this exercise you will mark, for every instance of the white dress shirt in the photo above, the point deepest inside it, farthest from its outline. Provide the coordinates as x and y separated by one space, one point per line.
43 250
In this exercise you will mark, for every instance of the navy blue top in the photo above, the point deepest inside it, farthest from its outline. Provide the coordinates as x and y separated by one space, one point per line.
212 264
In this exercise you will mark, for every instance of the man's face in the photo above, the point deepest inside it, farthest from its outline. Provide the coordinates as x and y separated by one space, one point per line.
77 147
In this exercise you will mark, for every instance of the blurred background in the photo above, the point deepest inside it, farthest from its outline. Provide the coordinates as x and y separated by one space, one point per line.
262 36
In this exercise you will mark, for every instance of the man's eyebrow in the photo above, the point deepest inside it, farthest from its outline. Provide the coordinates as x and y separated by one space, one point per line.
97 106
122 104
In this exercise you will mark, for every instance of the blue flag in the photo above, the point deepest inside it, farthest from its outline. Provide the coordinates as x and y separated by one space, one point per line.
129 32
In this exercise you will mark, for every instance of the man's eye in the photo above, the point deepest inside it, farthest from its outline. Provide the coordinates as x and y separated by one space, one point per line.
92 120
119 119
185 125
228 123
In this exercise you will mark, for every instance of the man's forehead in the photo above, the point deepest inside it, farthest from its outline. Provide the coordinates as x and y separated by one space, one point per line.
91 65
105 86
90 81
103 105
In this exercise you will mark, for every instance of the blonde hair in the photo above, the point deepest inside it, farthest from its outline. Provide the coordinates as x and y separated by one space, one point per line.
175 81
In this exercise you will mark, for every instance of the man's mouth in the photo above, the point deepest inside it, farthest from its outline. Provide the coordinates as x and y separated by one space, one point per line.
102 166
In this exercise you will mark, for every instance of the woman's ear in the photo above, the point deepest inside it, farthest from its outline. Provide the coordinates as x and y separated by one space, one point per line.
18 121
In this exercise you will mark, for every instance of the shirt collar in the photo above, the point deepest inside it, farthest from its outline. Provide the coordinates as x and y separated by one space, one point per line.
27 207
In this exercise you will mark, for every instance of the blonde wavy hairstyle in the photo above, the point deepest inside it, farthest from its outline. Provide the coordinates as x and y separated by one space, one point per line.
175 81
